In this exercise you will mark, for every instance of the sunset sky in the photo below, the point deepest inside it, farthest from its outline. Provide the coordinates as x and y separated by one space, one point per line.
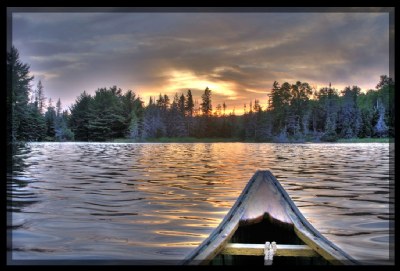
238 55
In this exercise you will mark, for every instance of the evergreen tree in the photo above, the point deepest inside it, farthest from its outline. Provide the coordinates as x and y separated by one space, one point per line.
175 121
81 115
133 113
163 102
386 89
61 131
58 108
189 112
153 124
384 81
328 99
298 121
135 127
252 122
107 120
39 97
206 106
34 124
279 105
18 90
50 117
189 105
381 128
368 113
151 101
206 123
349 115
181 105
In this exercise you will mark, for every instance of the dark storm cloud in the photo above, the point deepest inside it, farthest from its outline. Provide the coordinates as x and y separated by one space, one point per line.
72 52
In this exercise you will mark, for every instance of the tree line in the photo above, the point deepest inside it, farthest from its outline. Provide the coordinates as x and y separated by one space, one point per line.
295 113
28 117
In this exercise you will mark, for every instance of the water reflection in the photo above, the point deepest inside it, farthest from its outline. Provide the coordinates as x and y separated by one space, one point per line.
159 201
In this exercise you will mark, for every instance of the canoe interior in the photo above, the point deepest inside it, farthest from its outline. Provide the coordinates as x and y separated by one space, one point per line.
271 230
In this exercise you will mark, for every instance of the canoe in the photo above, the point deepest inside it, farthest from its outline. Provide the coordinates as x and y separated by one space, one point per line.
264 226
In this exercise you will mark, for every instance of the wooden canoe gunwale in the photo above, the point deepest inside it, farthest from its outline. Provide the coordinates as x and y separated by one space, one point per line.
218 239
202 255
308 234
259 249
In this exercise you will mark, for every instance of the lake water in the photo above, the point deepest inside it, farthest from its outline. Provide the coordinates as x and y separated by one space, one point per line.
157 202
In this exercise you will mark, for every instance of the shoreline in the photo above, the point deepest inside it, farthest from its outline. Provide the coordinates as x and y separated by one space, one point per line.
236 140
226 140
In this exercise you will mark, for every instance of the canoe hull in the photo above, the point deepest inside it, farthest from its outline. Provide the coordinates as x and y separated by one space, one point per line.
264 212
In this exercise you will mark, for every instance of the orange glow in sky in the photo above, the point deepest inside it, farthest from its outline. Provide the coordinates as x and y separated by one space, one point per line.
179 81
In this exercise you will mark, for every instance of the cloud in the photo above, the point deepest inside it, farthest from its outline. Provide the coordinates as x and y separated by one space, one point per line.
239 55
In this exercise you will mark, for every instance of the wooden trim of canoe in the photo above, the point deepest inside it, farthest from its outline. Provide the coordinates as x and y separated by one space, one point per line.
308 234
225 230
259 250
220 237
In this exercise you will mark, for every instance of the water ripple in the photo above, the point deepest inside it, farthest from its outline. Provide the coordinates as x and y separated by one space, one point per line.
158 201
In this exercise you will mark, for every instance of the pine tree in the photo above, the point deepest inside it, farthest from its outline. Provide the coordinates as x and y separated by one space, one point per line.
134 127
206 106
50 117
189 112
181 104
153 124
386 91
108 120
327 113
175 120
61 130
40 98
350 120
133 113
206 122
58 108
380 128
18 90
81 116
189 105
280 105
